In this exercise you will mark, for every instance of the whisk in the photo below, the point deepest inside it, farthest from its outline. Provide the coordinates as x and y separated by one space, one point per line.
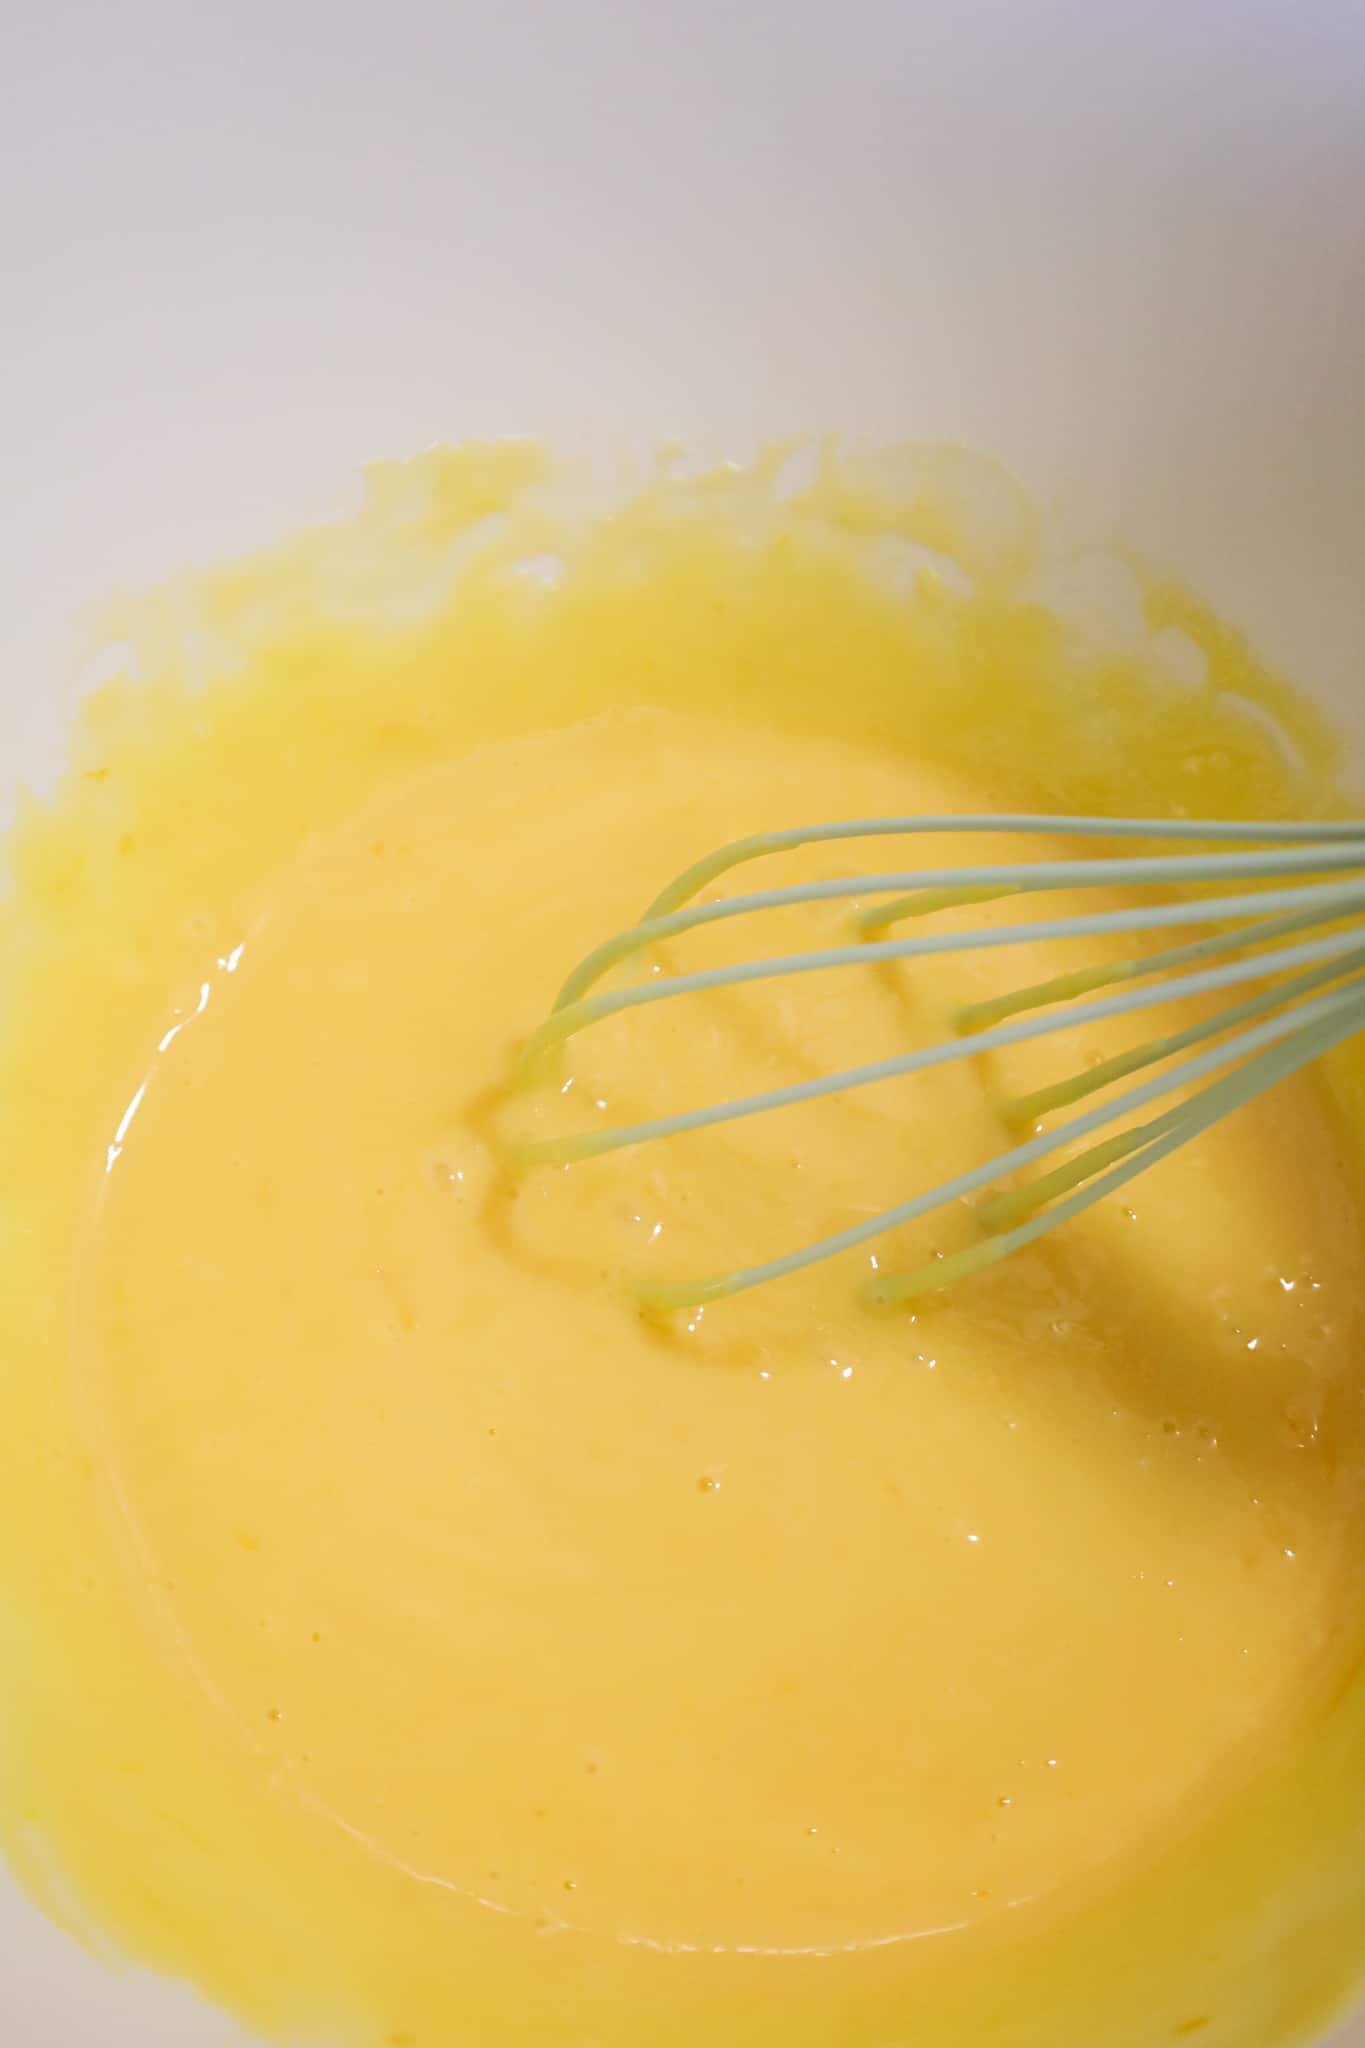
1290 920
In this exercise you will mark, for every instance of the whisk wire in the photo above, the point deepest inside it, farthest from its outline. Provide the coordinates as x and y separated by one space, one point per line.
1031 879
1021 1110
1305 1044
566 1020
1327 906
1344 1010
1312 998
1275 832
592 1144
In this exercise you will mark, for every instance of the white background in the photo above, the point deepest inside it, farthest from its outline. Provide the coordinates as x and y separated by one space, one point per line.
245 247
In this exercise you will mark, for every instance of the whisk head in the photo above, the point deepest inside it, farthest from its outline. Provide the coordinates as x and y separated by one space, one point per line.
1283 911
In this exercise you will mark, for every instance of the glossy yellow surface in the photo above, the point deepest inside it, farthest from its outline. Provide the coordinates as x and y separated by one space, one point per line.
410 1643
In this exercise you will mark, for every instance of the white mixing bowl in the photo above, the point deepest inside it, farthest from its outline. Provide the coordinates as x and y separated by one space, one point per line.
1120 245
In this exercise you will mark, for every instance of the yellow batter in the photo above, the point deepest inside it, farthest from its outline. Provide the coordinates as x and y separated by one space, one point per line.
411 1643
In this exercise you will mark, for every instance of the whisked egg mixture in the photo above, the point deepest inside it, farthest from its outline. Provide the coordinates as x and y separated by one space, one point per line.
408 1641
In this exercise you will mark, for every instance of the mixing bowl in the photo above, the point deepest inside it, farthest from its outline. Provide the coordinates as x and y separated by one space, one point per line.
1120 247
